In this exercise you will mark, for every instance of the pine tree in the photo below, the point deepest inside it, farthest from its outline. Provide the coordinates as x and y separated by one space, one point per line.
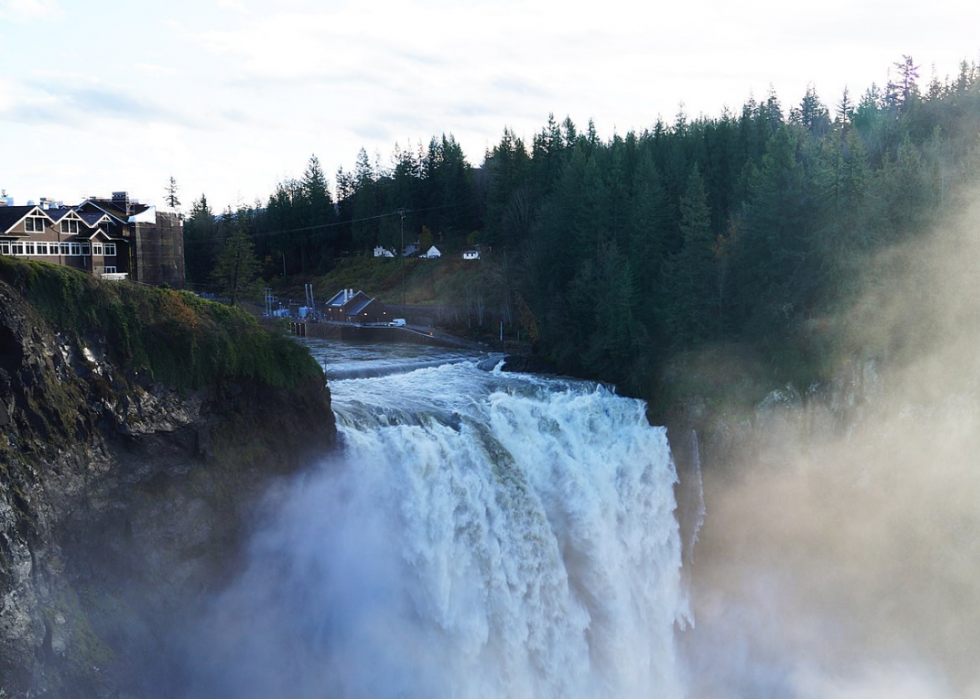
689 276
774 250
507 165
319 236
905 90
200 242
812 115
237 266
365 227
845 108
172 201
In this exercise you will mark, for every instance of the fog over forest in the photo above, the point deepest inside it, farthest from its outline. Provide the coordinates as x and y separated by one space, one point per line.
838 559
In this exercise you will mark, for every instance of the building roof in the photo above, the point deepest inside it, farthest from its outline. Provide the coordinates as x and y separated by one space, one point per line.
10 216
58 214
357 304
105 207
341 297
93 218
69 212
141 213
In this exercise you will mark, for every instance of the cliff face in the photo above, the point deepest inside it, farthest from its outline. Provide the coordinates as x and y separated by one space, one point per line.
122 501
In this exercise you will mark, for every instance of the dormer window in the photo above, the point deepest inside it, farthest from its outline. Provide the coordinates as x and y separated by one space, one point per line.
69 226
34 224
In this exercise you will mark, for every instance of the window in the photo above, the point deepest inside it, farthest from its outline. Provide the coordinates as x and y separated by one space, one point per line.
34 224
69 226
42 248
65 249
97 249
110 249
29 248
110 269
4 247
17 248
76 249
85 249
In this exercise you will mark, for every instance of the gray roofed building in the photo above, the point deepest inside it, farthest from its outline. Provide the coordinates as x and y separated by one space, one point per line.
349 306
91 218
340 298
58 214
12 215
357 304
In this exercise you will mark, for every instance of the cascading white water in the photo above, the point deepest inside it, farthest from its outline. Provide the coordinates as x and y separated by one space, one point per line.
483 536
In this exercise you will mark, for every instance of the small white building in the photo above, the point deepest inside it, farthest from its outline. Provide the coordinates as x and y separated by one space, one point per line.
383 252
433 253
471 254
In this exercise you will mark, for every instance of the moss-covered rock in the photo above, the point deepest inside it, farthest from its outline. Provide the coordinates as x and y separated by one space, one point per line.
165 335
138 428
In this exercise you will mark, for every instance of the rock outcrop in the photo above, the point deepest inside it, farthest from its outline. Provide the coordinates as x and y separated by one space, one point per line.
123 501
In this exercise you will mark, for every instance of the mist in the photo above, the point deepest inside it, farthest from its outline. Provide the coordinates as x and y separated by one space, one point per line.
840 554
307 616
527 545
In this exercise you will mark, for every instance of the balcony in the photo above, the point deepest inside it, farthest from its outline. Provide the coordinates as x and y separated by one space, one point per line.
114 276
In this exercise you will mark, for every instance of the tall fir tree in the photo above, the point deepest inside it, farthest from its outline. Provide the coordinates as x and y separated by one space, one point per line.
690 285
237 267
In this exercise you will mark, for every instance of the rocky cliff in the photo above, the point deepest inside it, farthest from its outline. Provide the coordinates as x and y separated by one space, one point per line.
128 476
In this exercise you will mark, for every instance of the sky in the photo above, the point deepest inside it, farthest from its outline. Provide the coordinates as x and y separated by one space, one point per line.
231 97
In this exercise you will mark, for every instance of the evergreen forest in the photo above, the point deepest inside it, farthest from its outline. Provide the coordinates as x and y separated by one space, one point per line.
613 255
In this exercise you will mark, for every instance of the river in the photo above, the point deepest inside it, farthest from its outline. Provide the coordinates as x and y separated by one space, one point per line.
481 535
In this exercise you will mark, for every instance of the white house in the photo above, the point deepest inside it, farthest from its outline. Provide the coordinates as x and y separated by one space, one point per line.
471 254
433 253
383 252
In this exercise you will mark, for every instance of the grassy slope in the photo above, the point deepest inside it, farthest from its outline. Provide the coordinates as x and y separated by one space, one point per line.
180 340
427 282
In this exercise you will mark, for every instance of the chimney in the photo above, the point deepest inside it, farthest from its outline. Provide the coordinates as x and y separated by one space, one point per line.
121 200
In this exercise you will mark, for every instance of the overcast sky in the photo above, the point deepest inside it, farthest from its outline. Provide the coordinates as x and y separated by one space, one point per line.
232 96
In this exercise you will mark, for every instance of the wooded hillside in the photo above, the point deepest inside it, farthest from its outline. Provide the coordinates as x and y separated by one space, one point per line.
750 227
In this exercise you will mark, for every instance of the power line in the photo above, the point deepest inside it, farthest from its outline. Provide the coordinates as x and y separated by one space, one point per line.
397 212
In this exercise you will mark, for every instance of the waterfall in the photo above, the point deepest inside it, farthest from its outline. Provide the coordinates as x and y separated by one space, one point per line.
691 499
482 536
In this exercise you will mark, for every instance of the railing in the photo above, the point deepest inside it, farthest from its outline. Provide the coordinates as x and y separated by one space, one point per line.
115 276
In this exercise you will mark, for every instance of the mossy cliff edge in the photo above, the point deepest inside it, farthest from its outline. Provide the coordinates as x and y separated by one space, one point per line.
138 427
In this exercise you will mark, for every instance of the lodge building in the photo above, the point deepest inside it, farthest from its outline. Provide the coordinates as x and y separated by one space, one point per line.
111 238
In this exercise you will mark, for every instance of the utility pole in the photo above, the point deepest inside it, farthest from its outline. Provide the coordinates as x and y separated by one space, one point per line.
401 212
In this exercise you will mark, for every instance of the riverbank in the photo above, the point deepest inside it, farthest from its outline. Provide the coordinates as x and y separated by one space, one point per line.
370 333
